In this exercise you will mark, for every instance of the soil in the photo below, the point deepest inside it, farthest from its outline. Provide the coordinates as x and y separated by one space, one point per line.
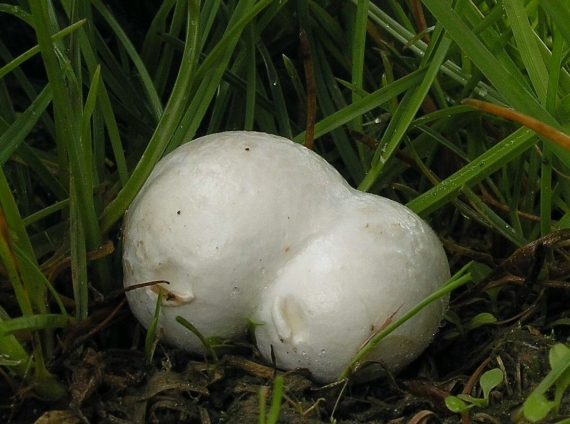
102 362
119 385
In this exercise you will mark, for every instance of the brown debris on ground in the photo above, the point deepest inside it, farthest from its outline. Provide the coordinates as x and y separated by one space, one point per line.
117 386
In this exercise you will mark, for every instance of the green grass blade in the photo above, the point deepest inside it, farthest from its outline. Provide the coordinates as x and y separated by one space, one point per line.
8 257
364 105
276 400
358 50
494 221
43 172
66 97
404 115
19 130
155 104
251 88
78 254
151 48
13 64
455 282
34 323
507 83
449 68
500 154
528 47
212 70
558 12
276 92
165 128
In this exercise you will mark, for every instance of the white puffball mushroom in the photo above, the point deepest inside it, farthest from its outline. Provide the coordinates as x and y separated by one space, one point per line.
347 283
246 225
217 218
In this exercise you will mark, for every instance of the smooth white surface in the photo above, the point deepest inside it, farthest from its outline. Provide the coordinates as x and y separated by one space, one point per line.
249 225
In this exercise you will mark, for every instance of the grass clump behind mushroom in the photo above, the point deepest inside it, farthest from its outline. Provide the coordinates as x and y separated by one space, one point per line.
93 95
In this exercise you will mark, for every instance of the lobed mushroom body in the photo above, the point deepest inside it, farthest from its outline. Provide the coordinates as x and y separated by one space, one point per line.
246 225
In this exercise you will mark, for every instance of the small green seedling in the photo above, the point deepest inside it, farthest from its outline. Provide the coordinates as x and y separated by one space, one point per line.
537 406
482 319
206 342
151 336
276 401
461 404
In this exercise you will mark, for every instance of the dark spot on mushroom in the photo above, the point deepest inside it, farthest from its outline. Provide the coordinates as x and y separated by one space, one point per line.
371 327
178 212
247 149
287 249
367 225
167 295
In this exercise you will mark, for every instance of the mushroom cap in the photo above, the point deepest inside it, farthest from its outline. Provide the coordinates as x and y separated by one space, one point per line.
246 225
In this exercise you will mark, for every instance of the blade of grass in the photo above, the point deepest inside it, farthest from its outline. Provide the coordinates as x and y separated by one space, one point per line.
13 64
558 12
556 64
78 252
449 68
19 130
507 83
276 400
358 51
455 282
151 47
34 323
211 71
487 163
30 295
87 39
364 105
15 229
251 78
329 97
165 128
165 62
276 92
8 257
528 47
68 112
151 95
405 113
493 220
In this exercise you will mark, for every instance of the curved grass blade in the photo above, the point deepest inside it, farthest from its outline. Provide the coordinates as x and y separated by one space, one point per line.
34 323
503 152
19 130
166 126
363 105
